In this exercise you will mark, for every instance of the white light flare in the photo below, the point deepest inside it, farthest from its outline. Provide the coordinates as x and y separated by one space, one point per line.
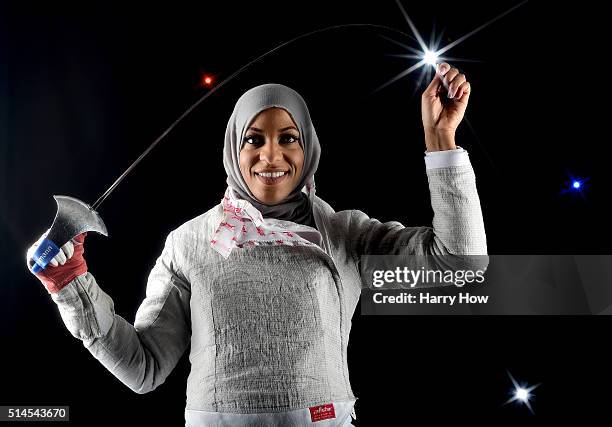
430 57
521 393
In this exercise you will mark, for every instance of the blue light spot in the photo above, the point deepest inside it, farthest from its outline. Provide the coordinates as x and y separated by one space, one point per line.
576 184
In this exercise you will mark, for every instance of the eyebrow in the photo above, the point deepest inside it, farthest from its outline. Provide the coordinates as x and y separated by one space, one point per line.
280 130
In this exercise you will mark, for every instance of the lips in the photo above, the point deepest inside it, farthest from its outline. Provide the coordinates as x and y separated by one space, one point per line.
271 180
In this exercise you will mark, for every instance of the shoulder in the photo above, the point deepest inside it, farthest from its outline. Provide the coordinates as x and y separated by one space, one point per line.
190 242
323 206
349 222
338 223
201 227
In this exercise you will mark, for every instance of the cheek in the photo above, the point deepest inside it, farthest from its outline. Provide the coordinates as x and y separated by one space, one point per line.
244 163
297 158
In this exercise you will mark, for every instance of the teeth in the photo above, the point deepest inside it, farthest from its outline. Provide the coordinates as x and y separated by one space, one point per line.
271 174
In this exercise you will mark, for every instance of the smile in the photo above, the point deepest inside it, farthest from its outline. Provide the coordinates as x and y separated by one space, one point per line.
271 178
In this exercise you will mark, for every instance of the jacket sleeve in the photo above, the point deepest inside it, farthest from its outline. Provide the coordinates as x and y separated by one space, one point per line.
458 226
140 355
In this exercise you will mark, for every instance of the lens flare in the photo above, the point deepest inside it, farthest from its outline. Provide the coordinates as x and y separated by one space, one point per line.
432 54
430 57
521 393
207 80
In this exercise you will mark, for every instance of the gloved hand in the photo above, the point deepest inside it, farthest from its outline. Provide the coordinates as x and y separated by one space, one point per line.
64 267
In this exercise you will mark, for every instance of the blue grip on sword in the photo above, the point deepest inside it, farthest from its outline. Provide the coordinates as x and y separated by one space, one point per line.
44 254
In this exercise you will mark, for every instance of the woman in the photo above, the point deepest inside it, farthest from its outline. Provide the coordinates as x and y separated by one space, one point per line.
264 285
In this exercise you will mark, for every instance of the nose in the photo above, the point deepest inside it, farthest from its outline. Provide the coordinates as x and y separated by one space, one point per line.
271 152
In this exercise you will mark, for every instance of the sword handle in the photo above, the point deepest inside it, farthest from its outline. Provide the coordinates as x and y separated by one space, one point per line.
43 255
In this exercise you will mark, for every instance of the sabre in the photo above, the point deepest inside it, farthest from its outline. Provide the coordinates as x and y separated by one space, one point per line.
74 216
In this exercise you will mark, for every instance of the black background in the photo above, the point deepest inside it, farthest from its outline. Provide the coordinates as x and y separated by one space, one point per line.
84 90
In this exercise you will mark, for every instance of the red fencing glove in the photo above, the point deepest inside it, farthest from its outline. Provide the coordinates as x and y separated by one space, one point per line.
65 266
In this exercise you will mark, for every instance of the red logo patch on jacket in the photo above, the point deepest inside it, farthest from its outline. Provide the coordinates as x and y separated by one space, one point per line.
322 412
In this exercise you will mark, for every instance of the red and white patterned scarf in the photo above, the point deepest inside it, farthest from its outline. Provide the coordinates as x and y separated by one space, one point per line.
243 225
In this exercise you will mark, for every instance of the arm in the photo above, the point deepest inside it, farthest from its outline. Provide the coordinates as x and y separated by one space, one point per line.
458 226
140 355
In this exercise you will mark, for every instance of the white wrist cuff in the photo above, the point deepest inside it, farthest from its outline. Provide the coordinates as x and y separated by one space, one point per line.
446 158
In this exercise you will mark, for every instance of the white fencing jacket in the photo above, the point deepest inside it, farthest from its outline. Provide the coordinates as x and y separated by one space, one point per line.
267 328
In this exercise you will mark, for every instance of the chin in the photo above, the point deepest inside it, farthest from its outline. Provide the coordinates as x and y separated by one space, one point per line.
272 200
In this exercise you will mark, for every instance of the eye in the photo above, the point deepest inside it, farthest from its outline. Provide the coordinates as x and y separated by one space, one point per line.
289 138
252 139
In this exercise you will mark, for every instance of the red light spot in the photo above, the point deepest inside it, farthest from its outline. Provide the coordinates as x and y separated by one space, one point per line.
207 80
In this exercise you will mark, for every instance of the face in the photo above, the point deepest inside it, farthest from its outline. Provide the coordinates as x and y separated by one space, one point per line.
271 159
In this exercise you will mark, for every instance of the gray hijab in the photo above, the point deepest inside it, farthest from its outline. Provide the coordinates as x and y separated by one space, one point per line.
297 207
